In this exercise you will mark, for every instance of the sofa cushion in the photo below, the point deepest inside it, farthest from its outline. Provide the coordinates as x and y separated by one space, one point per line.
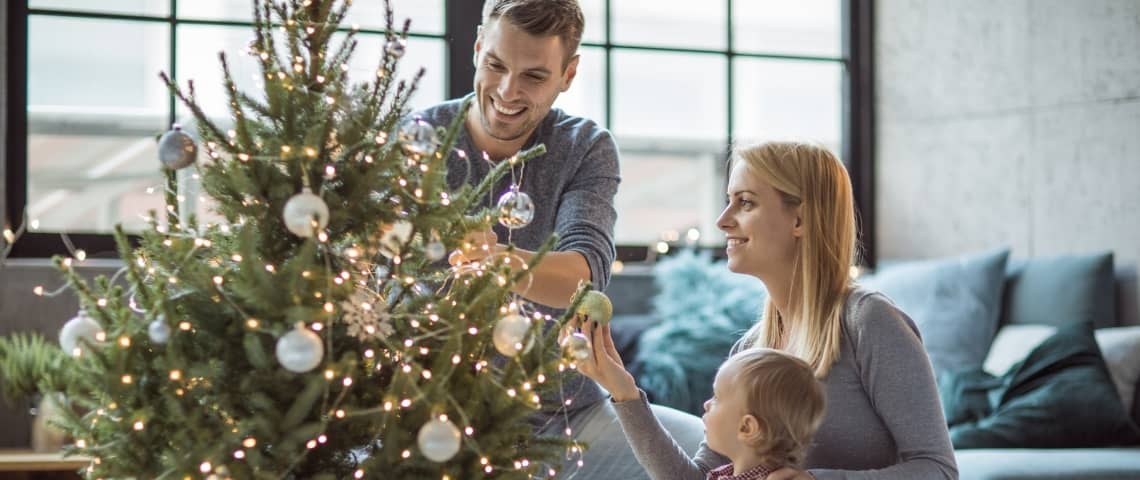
1061 290
1061 396
955 303
1052 464
1119 346
703 308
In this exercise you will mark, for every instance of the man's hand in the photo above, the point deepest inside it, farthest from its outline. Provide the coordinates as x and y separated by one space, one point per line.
476 246
604 365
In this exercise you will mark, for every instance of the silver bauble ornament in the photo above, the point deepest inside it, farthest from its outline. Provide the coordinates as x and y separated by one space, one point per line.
516 209
305 213
576 347
396 47
439 440
81 326
300 350
509 333
418 137
176 149
158 331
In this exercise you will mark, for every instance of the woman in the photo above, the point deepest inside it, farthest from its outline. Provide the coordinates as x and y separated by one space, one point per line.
790 221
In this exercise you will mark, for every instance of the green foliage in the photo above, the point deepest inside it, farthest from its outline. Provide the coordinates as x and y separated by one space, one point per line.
30 365
404 339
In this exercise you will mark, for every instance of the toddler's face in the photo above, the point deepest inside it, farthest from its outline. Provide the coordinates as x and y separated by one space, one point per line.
725 411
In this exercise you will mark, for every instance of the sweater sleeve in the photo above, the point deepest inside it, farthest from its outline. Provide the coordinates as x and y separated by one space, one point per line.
586 214
898 379
656 450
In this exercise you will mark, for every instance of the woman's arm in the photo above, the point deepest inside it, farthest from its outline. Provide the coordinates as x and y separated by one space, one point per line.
899 382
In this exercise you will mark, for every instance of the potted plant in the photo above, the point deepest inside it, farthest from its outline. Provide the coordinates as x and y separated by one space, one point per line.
31 373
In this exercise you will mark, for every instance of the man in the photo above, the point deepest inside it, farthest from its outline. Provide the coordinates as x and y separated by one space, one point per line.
525 56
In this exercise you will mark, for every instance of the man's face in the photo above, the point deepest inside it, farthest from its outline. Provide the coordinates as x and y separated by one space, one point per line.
517 78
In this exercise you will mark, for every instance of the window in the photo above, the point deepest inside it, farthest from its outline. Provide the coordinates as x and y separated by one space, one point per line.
676 84
93 112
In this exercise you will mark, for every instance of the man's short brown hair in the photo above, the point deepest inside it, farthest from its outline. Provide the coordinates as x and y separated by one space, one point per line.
542 18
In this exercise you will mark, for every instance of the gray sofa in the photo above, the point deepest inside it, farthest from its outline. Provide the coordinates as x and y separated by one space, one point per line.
633 291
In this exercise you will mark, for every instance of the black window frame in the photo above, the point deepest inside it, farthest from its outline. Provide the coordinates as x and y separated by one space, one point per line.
461 19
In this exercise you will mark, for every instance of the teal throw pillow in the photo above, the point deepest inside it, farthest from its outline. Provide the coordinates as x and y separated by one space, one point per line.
955 302
1061 396
1062 290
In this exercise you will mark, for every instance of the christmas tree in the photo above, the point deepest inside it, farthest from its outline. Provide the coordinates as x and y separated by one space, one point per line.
314 332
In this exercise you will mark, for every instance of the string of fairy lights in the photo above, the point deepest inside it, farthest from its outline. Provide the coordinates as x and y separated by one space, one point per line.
302 349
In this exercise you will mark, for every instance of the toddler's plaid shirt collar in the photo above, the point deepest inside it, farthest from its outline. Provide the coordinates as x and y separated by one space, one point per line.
724 472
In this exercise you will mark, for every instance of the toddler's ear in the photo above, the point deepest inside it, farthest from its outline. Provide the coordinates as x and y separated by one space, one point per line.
752 430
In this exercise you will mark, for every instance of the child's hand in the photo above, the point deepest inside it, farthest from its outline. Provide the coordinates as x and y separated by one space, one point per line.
604 365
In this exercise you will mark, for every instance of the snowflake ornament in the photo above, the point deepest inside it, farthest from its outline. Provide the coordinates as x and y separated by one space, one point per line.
366 316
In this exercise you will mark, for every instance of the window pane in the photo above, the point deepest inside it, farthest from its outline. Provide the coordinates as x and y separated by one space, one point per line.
673 23
131 7
587 94
663 194
197 59
787 99
93 113
428 53
669 95
595 13
426 15
805 27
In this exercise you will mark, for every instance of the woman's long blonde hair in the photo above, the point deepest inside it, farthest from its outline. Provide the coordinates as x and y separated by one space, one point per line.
812 178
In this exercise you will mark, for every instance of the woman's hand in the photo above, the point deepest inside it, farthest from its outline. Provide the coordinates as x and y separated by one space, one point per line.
789 473
604 365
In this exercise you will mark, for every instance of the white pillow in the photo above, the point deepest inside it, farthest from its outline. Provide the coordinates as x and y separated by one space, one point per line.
1120 347
1012 344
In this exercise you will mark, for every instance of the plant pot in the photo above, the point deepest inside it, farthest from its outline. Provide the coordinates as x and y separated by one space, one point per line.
45 436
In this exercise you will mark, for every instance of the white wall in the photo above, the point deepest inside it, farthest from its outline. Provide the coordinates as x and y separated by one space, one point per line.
1012 122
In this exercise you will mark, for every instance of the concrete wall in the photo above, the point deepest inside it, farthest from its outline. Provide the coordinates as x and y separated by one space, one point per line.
1012 122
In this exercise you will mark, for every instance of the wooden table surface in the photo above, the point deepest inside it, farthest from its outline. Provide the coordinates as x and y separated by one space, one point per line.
29 461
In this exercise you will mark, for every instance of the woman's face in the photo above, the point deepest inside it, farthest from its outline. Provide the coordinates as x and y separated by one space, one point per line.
760 228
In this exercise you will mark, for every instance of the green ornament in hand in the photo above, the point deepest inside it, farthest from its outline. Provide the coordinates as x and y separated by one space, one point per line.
596 305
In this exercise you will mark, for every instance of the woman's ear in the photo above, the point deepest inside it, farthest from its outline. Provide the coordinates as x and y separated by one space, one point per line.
751 431
798 228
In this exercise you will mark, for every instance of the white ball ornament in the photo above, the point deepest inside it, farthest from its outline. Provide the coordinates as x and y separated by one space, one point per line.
159 331
176 149
300 350
81 326
435 251
394 236
305 213
509 333
576 347
516 209
439 440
